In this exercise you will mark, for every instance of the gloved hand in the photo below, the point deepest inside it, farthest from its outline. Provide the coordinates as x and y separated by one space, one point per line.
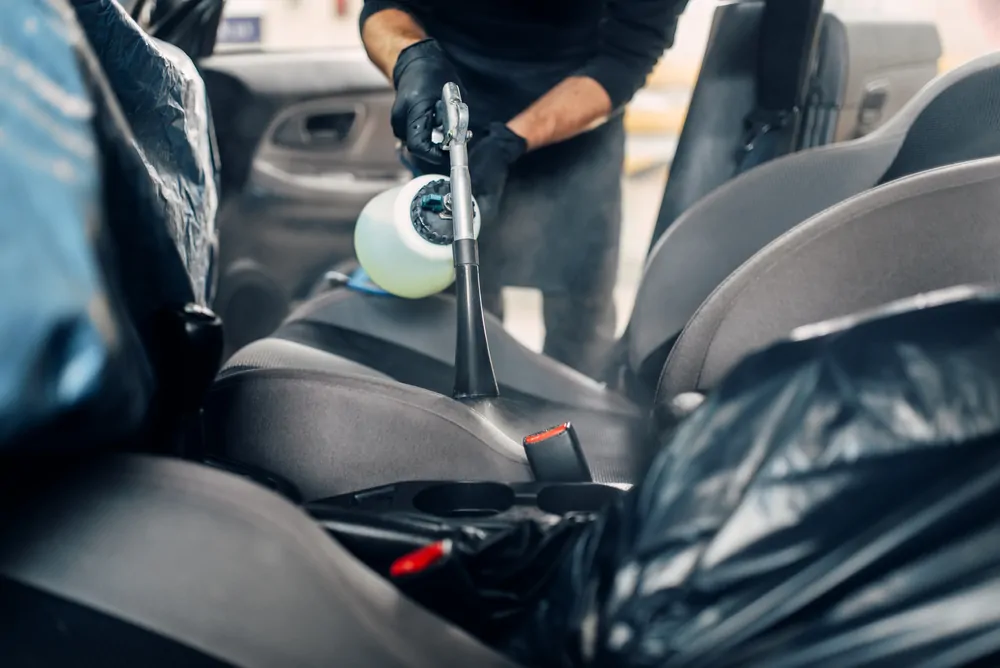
490 160
420 74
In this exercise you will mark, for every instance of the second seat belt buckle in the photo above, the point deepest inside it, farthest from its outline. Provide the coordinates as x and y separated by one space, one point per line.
555 455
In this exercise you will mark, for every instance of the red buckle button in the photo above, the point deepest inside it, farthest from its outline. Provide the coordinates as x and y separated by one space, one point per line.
420 559
535 439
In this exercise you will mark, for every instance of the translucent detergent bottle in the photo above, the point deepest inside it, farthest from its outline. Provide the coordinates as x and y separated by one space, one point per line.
403 238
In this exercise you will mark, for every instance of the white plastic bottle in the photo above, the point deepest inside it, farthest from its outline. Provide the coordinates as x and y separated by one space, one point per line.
402 244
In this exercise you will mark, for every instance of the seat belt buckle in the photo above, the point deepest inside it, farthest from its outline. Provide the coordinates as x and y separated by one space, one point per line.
762 122
555 455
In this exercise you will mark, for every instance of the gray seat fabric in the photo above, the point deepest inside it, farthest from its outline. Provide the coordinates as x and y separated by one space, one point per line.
332 426
953 118
425 328
213 563
331 433
283 354
926 232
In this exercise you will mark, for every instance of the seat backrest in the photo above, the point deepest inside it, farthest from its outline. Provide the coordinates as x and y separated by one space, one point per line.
953 118
159 200
159 162
710 150
926 232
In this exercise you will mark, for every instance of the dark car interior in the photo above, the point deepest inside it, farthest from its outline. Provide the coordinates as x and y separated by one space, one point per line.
206 528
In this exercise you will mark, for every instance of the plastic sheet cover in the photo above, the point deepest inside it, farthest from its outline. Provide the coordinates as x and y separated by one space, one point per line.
832 504
59 337
488 573
163 98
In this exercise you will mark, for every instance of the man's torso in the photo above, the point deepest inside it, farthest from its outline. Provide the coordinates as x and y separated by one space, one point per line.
510 52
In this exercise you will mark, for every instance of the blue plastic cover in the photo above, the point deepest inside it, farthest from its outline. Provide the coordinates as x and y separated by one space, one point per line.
164 100
59 336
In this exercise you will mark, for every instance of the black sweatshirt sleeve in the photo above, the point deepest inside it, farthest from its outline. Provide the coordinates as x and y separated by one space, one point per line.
634 35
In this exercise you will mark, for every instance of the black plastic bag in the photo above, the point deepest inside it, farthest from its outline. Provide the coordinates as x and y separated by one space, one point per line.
833 503
160 196
483 575
190 25
171 179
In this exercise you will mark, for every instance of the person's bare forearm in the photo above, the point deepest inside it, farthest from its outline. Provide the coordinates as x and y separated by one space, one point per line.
574 106
386 33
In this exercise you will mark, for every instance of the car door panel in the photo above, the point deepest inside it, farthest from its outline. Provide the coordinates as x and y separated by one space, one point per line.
305 143
888 63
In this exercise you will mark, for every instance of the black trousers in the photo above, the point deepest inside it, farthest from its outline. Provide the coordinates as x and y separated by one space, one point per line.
579 331
557 230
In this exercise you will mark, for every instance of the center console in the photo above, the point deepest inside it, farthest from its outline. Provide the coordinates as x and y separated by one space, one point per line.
383 524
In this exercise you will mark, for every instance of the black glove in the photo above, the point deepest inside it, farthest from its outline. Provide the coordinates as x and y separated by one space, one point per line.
420 74
489 164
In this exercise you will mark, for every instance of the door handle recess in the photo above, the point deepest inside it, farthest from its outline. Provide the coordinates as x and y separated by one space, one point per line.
872 107
322 129
330 127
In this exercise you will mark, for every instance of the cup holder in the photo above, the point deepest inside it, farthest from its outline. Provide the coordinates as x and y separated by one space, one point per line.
465 499
582 498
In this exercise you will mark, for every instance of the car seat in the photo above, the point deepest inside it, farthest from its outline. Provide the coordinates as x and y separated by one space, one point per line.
926 232
929 231
288 416
952 119
138 561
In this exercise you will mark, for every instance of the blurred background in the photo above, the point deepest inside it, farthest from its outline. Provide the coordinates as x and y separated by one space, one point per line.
968 28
